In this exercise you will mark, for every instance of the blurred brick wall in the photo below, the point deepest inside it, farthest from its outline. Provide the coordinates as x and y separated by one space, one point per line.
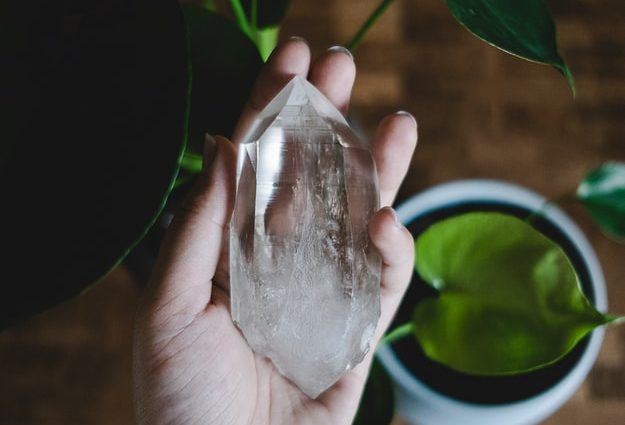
481 113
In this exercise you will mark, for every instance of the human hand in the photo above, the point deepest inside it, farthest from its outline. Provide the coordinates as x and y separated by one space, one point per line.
191 363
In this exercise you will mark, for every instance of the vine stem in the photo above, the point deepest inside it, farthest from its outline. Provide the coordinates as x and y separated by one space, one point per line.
617 320
254 18
239 15
266 41
375 15
397 333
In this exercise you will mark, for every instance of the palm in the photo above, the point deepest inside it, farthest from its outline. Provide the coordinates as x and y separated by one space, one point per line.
212 358
191 363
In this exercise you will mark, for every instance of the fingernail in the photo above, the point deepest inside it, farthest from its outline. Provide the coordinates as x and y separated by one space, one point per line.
407 114
210 150
343 50
297 38
393 214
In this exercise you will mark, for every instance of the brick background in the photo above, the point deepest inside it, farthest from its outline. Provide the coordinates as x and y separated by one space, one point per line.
481 113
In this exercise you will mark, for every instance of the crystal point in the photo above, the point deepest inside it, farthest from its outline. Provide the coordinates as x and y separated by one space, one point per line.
304 274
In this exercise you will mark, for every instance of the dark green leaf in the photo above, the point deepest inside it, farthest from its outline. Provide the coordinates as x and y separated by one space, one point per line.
269 12
509 301
603 193
377 404
523 28
96 94
225 64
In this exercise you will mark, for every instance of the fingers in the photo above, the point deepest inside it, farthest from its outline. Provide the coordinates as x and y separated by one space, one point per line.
191 249
289 59
395 245
333 73
392 148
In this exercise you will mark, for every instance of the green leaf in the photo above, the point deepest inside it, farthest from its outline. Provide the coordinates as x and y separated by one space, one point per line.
603 193
225 64
377 404
96 94
509 301
523 28
269 12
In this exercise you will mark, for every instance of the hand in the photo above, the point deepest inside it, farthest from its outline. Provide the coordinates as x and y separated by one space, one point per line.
191 363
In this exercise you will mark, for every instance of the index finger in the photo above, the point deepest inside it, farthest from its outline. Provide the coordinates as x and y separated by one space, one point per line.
289 59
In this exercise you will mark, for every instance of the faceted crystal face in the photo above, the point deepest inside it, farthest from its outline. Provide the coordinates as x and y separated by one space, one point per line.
304 275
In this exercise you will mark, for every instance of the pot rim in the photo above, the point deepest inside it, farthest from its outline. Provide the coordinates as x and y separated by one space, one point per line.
487 190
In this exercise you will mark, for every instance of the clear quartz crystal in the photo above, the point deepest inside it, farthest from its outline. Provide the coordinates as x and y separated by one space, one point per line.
304 275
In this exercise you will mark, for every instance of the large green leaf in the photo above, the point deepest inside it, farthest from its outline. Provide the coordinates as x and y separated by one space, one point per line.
225 64
509 301
377 404
523 28
269 13
603 193
93 104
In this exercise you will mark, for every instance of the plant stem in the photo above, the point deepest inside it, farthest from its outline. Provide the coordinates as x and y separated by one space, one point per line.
239 15
538 213
355 41
266 41
616 320
254 18
397 333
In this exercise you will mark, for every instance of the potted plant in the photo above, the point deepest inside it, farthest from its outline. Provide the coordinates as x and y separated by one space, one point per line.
504 302
115 97
117 77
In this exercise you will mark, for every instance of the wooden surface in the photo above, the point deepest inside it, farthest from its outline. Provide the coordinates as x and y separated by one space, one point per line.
481 114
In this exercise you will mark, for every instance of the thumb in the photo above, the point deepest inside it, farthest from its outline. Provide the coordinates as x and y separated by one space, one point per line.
181 282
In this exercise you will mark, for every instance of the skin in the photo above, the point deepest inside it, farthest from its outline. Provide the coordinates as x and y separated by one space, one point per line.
191 363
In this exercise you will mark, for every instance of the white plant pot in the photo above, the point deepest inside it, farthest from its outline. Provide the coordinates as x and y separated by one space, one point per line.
419 403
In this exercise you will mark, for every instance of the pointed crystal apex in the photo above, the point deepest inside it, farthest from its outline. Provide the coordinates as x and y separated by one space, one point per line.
299 92
304 276
296 95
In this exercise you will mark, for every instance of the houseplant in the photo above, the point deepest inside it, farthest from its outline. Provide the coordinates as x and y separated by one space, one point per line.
90 90
499 338
112 164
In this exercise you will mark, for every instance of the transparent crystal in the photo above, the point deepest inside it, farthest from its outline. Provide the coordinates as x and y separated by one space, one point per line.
304 275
